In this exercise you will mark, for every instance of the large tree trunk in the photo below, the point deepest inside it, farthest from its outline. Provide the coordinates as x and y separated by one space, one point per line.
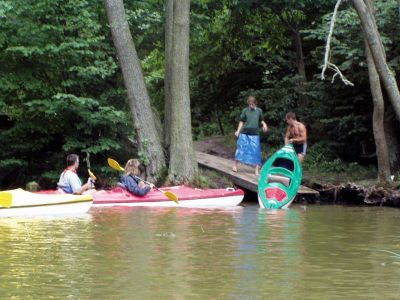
299 54
169 38
378 118
298 45
139 100
398 8
378 54
382 152
183 165
392 133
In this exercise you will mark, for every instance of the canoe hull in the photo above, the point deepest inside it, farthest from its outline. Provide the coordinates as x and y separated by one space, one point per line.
274 204
187 196
198 203
280 179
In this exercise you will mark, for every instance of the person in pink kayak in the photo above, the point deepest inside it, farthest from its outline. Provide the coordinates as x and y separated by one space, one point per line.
69 181
130 180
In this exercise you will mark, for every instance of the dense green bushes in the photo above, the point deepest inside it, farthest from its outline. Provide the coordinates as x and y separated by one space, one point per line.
59 92
61 89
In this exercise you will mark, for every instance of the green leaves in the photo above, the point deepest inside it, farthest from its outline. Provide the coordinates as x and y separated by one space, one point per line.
58 89
61 89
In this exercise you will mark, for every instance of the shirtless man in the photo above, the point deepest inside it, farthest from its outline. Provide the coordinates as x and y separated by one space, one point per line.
296 134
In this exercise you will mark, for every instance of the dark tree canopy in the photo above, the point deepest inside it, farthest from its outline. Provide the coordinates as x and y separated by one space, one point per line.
61 89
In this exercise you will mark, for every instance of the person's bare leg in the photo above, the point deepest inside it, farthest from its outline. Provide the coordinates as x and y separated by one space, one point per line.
301 157
235 166
257 171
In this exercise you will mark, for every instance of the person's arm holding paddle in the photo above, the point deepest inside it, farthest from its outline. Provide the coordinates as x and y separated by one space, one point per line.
69 181
132 182
135 186
170 195
86 187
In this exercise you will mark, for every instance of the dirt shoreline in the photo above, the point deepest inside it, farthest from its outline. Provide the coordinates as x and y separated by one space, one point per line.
215 146
343 193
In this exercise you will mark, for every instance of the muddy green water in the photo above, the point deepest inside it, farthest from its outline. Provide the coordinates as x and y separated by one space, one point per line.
306 252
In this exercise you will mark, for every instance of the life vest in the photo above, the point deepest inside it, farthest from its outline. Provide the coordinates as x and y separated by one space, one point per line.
67 189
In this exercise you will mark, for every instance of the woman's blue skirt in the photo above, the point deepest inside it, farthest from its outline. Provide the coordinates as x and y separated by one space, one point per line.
248 149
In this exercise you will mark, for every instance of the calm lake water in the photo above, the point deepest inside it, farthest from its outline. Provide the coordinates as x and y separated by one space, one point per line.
305 252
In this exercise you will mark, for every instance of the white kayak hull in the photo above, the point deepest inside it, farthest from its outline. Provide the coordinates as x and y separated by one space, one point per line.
23 203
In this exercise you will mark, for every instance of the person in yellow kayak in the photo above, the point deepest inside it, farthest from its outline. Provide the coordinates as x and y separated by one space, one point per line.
69 181
130 180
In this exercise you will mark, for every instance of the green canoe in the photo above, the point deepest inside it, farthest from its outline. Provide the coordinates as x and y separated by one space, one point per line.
280 179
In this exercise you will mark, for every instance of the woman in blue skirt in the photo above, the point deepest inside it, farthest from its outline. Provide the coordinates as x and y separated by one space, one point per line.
248 149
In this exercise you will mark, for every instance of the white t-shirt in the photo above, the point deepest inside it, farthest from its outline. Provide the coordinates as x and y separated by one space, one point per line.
69 182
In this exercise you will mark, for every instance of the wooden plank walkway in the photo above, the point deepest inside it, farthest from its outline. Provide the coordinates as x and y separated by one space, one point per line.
245 176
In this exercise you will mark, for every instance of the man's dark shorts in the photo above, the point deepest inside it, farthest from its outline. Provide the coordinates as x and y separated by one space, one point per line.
300 148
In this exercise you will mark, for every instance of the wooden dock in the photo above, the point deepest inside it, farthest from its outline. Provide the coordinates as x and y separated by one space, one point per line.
245 176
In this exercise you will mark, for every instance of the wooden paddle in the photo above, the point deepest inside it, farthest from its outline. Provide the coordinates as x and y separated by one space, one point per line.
5 199
115 165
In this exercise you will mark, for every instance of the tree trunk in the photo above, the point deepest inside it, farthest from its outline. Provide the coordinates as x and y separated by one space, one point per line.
382 152
378 54
139 100
183 165
298 45
169 37
398 9
220 125
301 69
299 54
392 133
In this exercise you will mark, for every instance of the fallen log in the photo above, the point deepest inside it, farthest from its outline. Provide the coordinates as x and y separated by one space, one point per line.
352 193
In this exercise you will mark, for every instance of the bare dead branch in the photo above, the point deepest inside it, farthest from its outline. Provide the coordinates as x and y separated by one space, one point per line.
327 63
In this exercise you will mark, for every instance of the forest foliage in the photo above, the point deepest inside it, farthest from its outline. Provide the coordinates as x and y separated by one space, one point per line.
61 90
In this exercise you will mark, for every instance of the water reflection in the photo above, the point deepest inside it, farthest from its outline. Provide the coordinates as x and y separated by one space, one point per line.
39 254
269 246
322 252
177 248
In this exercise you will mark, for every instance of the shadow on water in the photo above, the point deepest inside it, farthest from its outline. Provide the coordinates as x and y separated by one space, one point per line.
250 198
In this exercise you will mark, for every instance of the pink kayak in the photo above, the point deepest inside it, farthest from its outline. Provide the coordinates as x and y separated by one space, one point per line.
187 197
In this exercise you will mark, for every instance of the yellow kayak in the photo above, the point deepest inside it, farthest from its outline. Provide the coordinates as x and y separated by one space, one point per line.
19 202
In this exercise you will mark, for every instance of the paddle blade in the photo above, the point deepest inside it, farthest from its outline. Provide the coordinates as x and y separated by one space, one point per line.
171 196
5 199
91 175
114 164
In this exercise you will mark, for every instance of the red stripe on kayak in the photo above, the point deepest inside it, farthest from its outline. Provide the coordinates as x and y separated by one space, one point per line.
275 193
